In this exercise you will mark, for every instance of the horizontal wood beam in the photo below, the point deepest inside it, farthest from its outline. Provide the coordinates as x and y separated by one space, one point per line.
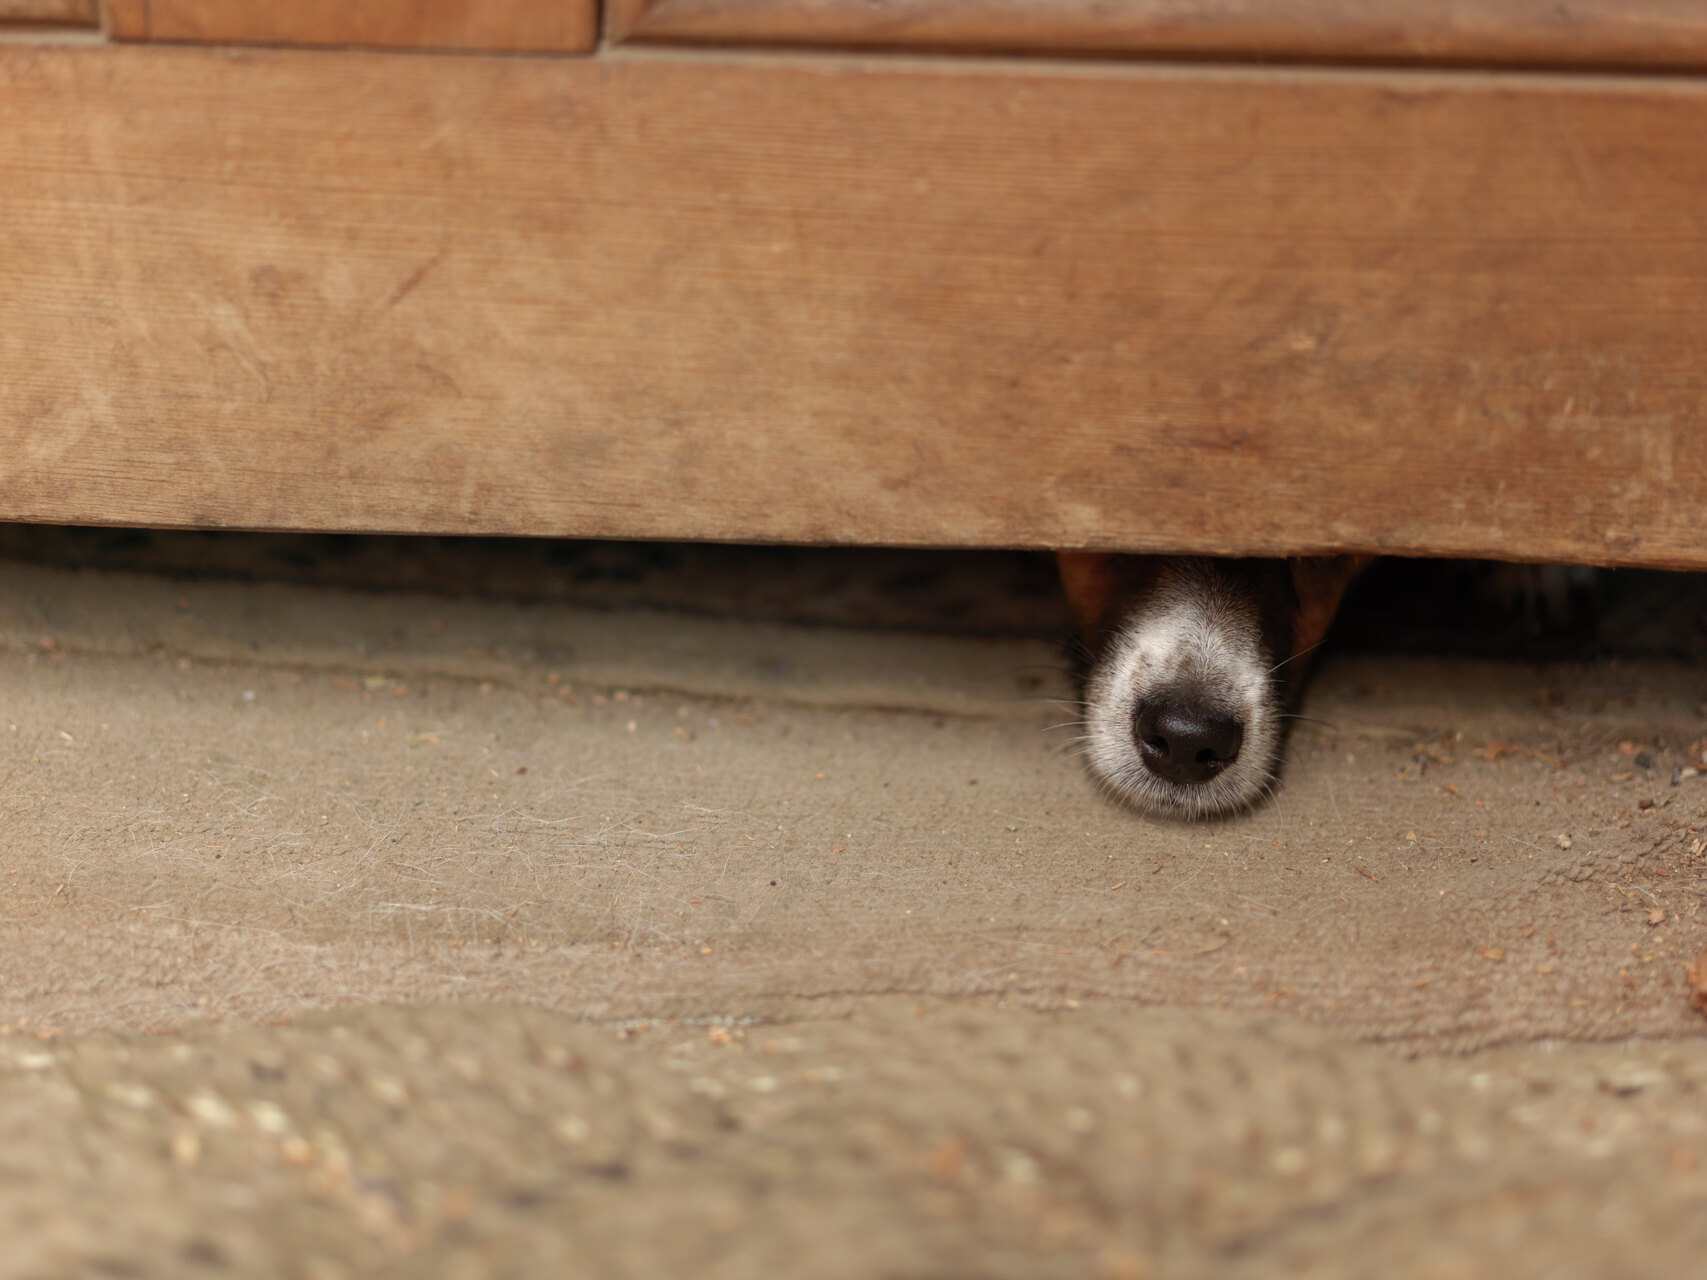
957 305
511 26
1591 33
66 13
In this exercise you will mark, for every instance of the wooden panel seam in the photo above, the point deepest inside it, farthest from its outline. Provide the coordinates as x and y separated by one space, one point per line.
126 19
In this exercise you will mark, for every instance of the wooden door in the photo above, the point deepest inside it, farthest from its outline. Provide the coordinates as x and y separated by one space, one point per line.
1108 302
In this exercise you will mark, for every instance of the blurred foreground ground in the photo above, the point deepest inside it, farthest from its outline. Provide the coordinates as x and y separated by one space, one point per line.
657 923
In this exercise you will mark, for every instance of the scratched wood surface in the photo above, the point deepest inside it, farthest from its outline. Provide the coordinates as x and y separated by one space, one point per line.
532 26
1247 312
1657 33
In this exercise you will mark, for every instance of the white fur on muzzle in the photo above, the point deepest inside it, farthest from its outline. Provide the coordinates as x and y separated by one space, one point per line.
1184 678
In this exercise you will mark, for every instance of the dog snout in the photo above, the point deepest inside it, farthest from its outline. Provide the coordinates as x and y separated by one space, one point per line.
1182 740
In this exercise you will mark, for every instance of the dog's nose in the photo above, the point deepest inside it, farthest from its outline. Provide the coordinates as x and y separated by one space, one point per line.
1182 742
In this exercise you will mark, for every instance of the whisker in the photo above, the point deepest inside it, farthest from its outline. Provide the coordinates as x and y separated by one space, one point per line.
1301 654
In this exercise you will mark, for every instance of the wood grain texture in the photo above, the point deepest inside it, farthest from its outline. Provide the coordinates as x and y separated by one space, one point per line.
1654 33
73 13
1254 312
533 26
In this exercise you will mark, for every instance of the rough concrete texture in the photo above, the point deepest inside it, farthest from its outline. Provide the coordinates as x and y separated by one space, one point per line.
351 933
905 1138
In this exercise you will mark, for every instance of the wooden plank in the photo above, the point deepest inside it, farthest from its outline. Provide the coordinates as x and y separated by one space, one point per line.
58 13
533 26
1244 312
1631 33
126 19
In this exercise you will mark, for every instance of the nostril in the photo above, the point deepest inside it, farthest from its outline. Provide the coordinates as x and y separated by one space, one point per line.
1181 740
1220 740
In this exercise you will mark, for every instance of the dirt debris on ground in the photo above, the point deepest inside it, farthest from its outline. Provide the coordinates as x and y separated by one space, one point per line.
337 942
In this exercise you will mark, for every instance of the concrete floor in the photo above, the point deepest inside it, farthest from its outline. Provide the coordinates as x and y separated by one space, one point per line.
354 932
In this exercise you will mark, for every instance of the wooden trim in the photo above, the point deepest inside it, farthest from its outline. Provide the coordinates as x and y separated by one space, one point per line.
513 26
1241 312
58 13
1605 33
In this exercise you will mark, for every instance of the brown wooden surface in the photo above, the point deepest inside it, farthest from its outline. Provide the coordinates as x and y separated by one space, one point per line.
126 19
57 12
507 25
1250 312
1660 33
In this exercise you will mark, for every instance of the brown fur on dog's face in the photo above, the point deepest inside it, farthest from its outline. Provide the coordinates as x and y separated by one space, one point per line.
1193 667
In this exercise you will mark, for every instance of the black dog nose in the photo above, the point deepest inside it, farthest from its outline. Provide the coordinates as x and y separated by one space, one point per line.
1182 742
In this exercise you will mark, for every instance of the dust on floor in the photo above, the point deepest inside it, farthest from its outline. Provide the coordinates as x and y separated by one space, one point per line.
754 948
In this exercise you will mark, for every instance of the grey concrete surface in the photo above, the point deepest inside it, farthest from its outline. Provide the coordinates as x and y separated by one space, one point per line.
905 1138
351 933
